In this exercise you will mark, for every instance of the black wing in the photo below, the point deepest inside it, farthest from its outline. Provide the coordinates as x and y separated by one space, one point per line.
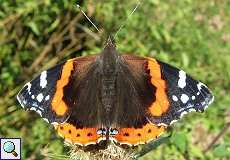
37 94
45 94
184 94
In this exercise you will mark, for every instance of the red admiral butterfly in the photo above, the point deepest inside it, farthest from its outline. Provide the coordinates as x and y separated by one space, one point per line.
123 98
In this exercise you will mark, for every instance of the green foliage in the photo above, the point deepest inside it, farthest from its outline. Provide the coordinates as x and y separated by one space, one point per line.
180 141
222 150
192 35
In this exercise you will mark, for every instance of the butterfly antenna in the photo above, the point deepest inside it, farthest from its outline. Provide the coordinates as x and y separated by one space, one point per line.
78 6
122 25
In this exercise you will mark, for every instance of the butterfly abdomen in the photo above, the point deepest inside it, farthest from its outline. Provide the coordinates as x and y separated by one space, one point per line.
108 92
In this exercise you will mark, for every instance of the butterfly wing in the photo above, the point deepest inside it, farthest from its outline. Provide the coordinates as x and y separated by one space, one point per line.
183 94
134 92
135 136
45 94
82 136
82 94
164 92
152 95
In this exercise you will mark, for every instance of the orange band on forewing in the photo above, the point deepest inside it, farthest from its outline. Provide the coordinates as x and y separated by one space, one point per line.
161 104
79 136
58 105
140 135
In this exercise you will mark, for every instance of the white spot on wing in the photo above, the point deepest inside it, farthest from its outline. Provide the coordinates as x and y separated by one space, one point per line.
173 121
182 79
35 104
174 98
42 109
79 144
47 97
24 101
101 139
191 110
90 143
39 112
19 100
126 143
205 107
28 86
68 140
199 86
32 97
45 119
54 123
183 113
193 97
211 100
43 81
33 109
151 139
189 106
162 124
184 98
40 97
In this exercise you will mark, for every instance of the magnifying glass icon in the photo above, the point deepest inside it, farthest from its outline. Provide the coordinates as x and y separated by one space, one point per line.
9 147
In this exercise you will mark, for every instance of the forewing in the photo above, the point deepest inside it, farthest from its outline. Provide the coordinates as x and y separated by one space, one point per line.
180 93
135 93
45 94
153 90
82 95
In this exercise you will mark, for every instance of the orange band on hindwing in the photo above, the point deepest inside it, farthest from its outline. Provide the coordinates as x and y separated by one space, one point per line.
58 105
133 136
161 104
80 136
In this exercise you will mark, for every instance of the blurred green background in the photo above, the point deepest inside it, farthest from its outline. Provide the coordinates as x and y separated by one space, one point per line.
192 35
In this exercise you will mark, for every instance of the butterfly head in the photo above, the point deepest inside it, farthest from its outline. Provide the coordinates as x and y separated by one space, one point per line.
109 56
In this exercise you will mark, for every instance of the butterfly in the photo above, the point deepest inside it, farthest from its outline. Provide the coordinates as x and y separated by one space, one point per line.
126 99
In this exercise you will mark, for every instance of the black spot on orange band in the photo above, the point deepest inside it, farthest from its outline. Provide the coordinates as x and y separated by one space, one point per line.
141 135
82 136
